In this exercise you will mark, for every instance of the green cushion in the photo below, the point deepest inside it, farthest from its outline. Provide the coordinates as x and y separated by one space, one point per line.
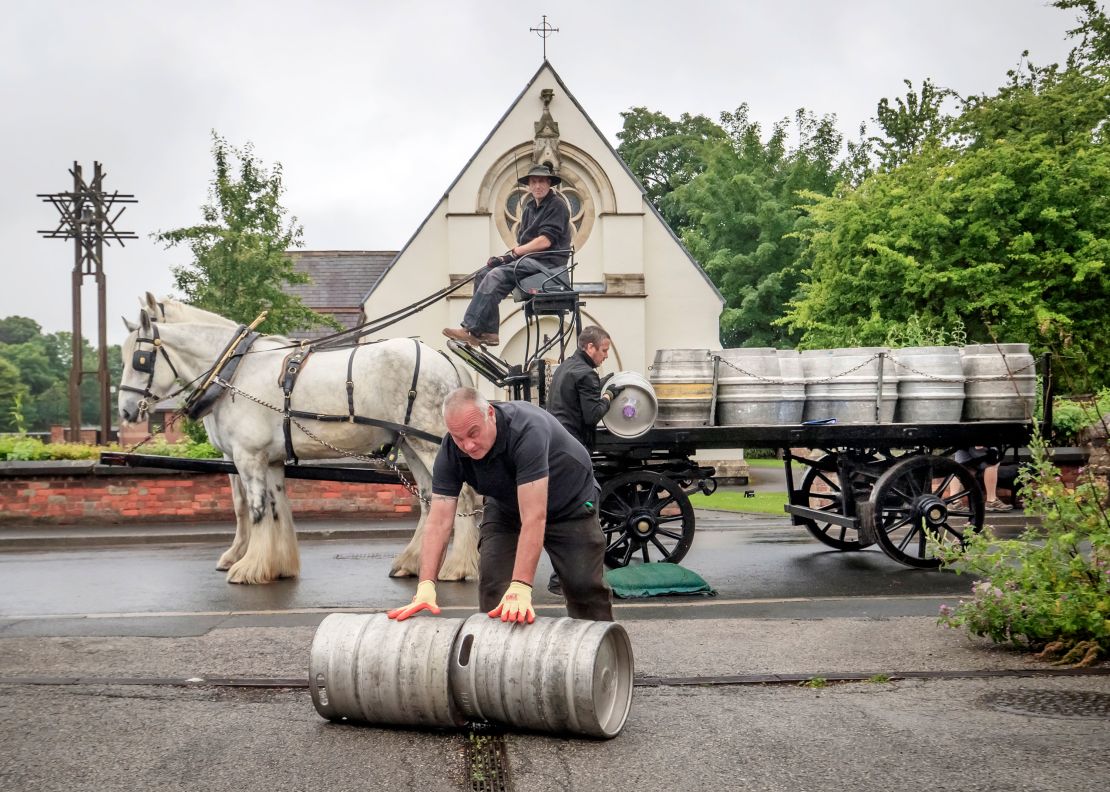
655 580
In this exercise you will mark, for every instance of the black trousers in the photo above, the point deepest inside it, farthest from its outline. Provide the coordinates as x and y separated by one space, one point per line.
576 549
491 286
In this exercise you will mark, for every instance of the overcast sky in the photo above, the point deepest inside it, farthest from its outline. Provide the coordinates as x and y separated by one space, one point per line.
374 106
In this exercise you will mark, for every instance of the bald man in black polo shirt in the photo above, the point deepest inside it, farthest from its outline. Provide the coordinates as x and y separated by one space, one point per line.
543 243
540 494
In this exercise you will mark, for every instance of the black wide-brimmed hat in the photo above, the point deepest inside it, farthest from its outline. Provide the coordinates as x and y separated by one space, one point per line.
539 170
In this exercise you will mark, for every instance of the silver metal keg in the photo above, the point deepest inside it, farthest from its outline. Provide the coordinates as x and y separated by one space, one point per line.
370 668
930 384
1001 382
845 384
749 388
683 383
633 412
556 675
793 387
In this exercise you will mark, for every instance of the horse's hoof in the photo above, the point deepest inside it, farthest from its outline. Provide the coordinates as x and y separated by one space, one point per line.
401 573
223 568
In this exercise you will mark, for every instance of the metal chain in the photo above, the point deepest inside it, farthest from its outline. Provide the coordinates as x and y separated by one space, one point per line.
772 380
412 488
1005 376
896 361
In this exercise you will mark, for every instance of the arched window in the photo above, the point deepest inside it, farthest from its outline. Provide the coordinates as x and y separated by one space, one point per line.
573 190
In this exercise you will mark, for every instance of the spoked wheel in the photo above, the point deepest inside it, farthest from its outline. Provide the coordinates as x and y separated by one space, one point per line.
922 496
645 515
821 490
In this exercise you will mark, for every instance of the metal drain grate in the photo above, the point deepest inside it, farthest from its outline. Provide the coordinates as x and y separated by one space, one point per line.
1051 703
486 762
360 556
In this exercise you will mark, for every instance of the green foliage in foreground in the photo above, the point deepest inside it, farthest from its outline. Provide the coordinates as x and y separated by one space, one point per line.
19 448
762 503
1070 416
1049 589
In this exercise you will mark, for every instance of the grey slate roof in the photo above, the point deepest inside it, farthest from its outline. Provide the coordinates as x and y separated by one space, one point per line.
340 281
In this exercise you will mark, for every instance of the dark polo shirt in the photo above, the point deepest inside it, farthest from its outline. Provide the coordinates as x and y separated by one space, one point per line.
550 219
530 445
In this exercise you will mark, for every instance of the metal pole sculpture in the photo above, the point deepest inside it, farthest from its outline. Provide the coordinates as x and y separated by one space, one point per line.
86 218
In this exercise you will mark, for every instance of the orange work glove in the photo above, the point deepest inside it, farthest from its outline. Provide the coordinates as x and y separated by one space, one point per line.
425 599
516 605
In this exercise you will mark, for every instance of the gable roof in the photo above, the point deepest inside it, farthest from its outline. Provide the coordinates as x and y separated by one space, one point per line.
512 105
340 278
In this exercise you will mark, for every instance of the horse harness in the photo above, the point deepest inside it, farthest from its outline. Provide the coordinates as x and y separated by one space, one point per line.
217 379
291 369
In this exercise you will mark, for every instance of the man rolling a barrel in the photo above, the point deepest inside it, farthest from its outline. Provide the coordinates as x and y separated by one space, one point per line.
540 494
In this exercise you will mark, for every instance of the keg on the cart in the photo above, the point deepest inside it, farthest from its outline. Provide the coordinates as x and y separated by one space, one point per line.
369 668
632 413
844 384
1001 382
930 384
751 390
683 384
556 675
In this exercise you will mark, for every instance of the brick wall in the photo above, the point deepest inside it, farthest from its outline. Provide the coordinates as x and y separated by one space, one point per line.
96 497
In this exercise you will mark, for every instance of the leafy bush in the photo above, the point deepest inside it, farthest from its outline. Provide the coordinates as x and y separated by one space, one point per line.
187 448
1069 416
1049 589
72 451
18 448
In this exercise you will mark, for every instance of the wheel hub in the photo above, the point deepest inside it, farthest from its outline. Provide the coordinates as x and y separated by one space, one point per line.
642 524
932 509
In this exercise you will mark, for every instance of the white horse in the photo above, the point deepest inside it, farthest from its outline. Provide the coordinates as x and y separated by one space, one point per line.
251 435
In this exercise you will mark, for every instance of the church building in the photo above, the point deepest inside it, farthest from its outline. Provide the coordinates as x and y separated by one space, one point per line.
635 278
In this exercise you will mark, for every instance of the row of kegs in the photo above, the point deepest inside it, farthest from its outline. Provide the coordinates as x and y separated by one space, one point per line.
935 384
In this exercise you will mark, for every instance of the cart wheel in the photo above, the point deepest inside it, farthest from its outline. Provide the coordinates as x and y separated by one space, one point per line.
815 496
645 514
919 496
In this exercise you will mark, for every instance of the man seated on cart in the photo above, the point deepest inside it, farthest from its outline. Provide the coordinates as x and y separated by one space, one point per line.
541 494
543 245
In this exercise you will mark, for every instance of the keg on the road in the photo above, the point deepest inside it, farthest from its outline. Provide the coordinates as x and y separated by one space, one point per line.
844 384
683 384
370 668
556 675
1001 382
749 388
930 384
633 411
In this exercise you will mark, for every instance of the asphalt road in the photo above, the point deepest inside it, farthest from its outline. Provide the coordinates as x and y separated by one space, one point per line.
758 566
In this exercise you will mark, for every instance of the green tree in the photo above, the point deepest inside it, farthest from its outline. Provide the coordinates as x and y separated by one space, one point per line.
909 122
13 398
666 154
18 329
744 216
240 265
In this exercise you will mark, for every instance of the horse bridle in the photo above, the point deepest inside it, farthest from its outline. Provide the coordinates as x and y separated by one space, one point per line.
144 362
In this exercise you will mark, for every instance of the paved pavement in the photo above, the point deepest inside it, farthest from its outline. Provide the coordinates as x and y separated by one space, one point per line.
718 704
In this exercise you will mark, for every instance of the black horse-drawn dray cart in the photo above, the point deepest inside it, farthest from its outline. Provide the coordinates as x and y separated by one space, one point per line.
851 485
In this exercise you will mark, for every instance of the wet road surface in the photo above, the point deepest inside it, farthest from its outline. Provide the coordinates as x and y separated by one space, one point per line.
759 567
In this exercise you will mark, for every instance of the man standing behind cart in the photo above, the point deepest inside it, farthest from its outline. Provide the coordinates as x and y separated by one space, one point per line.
540 494
577 399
